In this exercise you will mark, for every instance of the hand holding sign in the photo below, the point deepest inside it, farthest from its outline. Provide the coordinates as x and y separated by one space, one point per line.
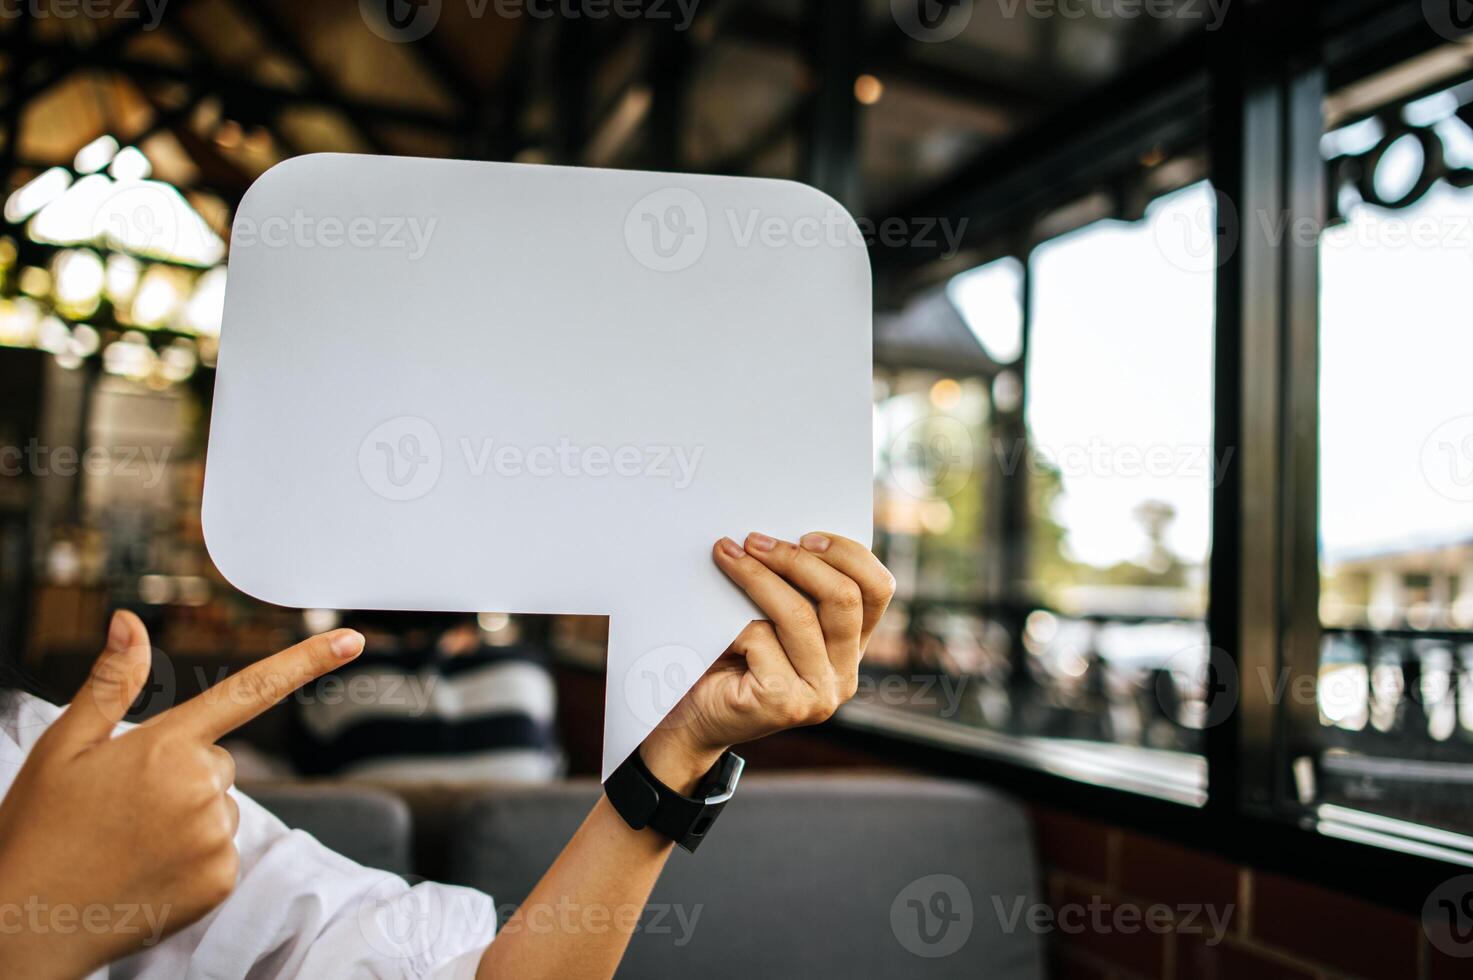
491 387
822 598
155 794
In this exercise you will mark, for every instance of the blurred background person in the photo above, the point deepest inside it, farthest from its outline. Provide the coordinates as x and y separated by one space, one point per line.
432 699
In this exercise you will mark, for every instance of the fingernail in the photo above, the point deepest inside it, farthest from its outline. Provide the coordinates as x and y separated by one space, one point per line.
347 645
732 549
815 542
117 634
760 541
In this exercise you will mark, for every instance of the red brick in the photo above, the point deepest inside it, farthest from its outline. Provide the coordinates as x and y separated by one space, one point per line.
1153 870
1227 960
1343 933
1108 928
1071 844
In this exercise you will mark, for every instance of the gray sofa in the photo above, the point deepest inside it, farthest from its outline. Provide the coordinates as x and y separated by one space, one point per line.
809 876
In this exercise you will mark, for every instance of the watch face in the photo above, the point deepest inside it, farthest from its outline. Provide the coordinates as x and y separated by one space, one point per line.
724 781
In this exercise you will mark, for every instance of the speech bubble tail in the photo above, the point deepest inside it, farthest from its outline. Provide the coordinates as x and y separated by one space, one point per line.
647 678
621 735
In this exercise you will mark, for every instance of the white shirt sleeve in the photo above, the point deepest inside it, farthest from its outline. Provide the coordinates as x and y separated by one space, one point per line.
298 910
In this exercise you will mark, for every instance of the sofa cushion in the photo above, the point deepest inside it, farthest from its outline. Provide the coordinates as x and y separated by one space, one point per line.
369 825
804 876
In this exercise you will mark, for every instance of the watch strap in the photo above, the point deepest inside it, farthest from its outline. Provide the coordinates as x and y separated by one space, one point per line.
643 801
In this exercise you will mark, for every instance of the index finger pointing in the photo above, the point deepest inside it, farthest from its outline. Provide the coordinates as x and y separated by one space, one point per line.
243 695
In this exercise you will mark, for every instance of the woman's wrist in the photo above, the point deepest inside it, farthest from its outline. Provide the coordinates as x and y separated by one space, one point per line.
676 762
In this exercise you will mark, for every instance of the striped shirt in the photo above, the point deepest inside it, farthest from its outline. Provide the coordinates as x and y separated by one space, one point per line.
487 713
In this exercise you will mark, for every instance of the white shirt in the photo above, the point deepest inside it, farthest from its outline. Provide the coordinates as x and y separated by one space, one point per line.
298 909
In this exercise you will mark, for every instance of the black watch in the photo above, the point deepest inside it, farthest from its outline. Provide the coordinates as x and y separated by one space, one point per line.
643 801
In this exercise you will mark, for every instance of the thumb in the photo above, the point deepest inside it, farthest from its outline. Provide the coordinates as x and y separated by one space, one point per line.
117 677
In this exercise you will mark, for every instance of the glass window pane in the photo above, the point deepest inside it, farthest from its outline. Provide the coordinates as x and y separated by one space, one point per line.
990 300
1120 416
1395 682
1121 471
1095 447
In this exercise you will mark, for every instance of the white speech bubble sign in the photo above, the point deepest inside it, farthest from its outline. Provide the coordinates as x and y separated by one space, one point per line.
459 386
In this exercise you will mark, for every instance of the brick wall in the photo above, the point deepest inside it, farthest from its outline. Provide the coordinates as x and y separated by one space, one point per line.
1130 907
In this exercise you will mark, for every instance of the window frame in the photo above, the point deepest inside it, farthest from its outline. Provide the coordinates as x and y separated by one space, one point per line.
1253 92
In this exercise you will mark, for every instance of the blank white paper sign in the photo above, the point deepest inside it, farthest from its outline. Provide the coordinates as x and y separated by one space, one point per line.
460 386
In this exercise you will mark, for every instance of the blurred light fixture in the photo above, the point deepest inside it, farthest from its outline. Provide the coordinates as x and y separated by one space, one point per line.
95 155
85 340
130 164
1462 612
35 281
129 357
63 563
141 217
1041 627
321 620
206 306
936 516
53 336
209 350
258 140
178 361
492 622
78 279
157 298
946 394
123 273
20 322
36 194
193 590
228 134
155 590
868 89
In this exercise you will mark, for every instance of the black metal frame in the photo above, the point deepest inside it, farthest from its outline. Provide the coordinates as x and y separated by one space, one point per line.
1255 92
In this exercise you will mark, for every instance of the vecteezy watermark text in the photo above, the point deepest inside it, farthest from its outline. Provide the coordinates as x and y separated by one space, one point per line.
834 228
568 459
668 230
1099 917
37 916
37 459
150 12
403 458
403 21
935 21
410 234
566 918
1109 459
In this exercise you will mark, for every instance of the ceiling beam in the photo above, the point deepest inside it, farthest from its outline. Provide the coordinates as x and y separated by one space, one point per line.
1162 103
769 137
238 88
280 36
23 90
